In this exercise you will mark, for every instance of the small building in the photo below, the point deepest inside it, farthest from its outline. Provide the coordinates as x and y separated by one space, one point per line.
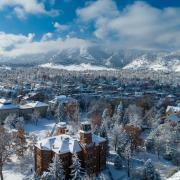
32 96
173 110
91 150
6 108
37 106
173 114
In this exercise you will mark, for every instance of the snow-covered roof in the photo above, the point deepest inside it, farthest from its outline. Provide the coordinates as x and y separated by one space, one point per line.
61 124
36 104
60 144
85 123
7 104
97 139
25 107
171 96
63 99
173 108
65 143
3 101
60 97
173 117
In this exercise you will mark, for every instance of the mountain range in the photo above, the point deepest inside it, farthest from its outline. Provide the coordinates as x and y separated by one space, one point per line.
101 57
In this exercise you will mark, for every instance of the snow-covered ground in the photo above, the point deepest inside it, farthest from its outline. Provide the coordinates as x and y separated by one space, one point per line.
18 170
158 65
75 67
163 166
176 176
43 127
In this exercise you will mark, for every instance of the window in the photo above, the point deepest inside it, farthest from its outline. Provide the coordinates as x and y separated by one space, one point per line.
90 155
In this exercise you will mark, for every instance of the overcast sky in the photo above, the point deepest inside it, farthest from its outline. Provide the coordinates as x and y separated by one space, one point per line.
35 26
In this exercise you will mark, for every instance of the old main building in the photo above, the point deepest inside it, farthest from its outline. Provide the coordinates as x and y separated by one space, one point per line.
90 148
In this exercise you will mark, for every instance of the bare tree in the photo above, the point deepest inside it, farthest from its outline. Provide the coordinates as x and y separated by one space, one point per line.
6 150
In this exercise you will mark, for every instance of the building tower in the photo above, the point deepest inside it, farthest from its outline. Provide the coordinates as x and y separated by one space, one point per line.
85 133
61 128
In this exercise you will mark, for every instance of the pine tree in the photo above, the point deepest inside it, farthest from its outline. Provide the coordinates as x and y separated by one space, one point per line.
126 117
106 118
119 113
10 121
77 173
56 171
149 172
19 123
118 162
60 113
20 143
103 133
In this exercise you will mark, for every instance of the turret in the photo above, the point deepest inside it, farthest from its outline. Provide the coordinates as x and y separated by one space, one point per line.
85 133
61 128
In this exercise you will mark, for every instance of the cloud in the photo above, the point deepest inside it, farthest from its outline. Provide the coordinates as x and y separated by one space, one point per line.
139 25
60 27
97 9
47 36
8 41
16 45
23 7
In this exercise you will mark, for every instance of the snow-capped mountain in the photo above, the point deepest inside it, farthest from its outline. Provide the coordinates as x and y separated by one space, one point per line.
160 62
102 57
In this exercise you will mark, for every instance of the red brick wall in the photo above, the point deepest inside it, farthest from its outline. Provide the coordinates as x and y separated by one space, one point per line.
93 159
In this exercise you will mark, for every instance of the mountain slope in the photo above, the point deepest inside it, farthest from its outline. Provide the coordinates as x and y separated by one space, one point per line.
102 57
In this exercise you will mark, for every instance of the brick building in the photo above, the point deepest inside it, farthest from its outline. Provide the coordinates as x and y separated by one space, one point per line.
90 148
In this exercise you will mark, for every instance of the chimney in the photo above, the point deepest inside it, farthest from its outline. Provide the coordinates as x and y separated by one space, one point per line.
85 133
61 128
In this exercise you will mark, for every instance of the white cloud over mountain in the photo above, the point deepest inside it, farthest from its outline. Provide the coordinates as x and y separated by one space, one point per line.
16 45
137 26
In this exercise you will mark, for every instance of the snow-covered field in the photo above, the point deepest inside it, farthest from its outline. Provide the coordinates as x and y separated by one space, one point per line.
17 170
176 176
75 67
43 127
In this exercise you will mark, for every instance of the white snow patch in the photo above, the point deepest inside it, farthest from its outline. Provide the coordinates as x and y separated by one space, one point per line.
43 127
176 176
75 67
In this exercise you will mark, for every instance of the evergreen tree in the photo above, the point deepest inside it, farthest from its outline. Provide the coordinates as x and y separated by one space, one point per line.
10 121
77 173
119 113
19 123
60 113
126 117
118 162
103 133
49 113
56 171
20 143
106 118
149 172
